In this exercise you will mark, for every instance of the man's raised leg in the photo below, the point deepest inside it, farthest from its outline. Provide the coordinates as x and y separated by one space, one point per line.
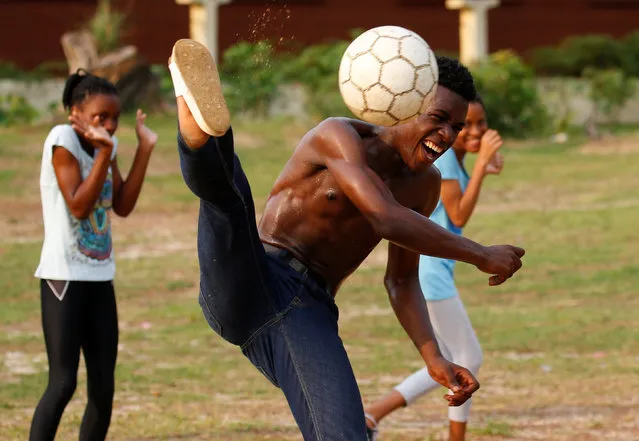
196 79
205 139
234 272
208 162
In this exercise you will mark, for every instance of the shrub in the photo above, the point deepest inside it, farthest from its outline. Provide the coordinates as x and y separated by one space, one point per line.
558 96
509 91
47 69
107 27
316 67
610 89
14 109
575 54
250 73
162 73
630 45
10 70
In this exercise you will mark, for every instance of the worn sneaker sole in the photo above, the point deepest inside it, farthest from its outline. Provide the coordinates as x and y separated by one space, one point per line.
203 94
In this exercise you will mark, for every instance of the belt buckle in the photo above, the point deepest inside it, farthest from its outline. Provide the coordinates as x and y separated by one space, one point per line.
292 261
296 264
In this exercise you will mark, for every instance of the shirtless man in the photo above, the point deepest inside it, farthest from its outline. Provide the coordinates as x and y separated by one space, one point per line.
348 185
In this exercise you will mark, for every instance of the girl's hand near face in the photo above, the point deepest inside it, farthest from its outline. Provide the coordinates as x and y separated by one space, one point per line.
147 138
92 132
496 165
491 142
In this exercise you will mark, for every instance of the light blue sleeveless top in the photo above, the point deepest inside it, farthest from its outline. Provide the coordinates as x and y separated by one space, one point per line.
435 274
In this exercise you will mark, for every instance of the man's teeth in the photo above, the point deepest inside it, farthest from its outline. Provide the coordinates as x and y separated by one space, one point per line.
432 146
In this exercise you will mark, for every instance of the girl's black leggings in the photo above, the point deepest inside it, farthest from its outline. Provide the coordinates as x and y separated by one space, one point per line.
78 316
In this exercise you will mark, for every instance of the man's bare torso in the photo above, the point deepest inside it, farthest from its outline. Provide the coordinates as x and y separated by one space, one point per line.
311 216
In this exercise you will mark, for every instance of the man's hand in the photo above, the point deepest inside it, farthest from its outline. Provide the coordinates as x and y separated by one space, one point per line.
502 261
456 378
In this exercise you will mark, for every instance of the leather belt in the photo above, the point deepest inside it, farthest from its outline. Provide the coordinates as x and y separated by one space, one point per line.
295 263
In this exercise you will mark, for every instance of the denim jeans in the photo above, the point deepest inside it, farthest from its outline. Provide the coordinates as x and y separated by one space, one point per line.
284 319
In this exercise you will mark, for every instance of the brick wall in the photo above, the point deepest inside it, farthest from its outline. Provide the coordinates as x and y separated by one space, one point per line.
31 29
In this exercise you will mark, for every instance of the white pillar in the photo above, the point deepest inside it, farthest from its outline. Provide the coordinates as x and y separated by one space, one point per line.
204 22
473 28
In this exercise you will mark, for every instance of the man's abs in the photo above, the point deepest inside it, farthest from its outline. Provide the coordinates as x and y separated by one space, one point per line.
323 230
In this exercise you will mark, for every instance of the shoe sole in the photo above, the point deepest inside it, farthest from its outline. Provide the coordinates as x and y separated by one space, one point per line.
204 90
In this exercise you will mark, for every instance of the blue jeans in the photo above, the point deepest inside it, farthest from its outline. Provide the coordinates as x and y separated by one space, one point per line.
281 315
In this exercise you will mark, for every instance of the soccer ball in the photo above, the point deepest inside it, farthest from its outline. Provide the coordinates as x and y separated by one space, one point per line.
388 75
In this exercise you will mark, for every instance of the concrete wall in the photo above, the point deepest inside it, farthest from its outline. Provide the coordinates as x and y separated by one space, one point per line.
568 98
564 98
42 95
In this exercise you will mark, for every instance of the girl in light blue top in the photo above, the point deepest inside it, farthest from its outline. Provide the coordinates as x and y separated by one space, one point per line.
452 327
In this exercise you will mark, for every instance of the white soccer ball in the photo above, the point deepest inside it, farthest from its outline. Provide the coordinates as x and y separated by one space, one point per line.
388 75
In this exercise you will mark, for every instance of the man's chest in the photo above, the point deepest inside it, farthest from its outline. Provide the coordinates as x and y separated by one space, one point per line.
413 192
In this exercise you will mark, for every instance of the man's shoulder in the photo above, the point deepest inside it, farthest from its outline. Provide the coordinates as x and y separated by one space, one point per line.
316 142
431 176
340 123
332 135
322 130
333 123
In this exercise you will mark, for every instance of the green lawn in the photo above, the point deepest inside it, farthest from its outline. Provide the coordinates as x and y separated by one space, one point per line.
561 339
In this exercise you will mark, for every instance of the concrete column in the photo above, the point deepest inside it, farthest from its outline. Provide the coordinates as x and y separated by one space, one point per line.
473 28
204 22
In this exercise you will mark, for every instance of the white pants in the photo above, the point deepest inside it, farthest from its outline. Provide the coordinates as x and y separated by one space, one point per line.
458 343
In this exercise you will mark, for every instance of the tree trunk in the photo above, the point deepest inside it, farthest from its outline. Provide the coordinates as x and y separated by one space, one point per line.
140 88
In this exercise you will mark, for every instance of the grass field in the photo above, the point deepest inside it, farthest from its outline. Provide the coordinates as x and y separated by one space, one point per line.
561 339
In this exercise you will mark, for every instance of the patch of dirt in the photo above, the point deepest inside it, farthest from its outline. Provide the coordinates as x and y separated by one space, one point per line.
548 201
377 258
158 249
369 311
21 221
158 233
552 423
611 146
19 363
247 141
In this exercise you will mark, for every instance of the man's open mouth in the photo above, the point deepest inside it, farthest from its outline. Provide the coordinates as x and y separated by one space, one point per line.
432 149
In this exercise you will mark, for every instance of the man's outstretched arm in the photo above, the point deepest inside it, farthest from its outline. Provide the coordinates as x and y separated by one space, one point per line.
344 156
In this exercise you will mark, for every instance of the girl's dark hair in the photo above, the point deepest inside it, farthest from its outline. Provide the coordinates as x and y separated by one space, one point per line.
82 84
478 100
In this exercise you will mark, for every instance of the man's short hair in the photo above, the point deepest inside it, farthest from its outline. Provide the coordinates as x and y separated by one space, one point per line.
456 77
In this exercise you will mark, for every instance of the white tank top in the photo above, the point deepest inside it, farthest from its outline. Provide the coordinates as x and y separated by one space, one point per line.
74 249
